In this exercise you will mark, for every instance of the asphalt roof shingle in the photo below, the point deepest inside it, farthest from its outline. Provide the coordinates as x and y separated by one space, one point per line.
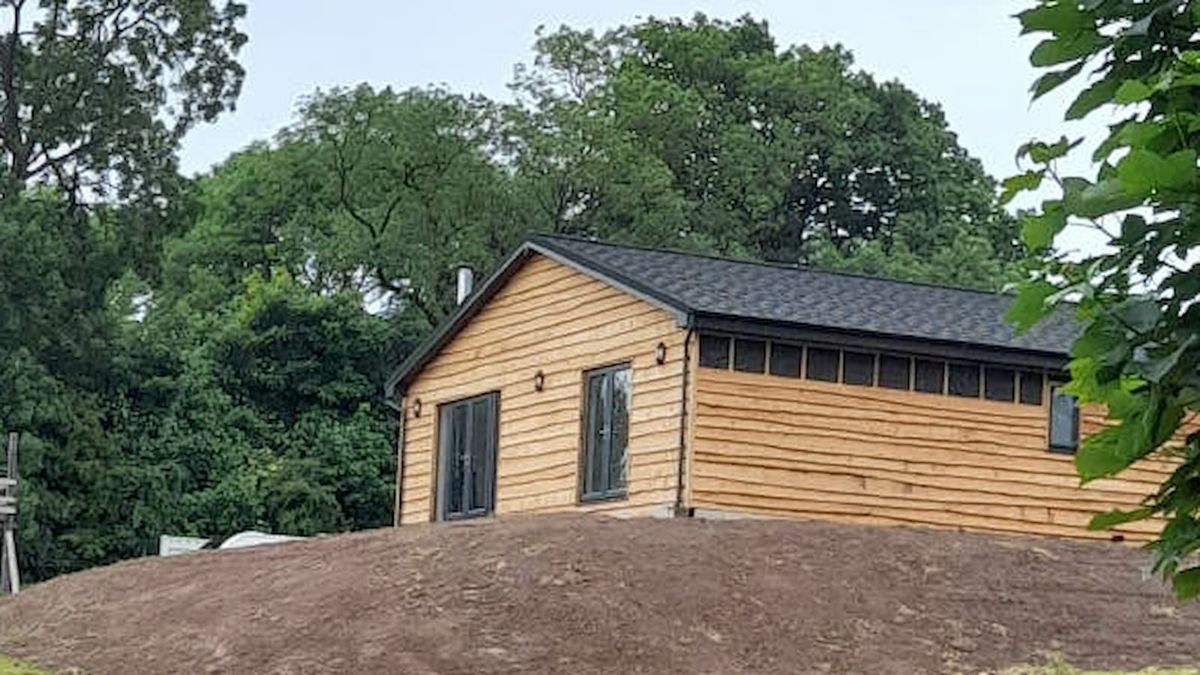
808 297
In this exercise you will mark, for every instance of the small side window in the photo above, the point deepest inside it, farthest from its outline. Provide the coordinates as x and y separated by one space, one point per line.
1064 422
1031 388
930 376
785 359
999 384
749 356
822 364
894 371
714 351
964 380
858 368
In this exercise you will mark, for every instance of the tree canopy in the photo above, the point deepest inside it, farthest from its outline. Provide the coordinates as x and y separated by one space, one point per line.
205 356
1140 352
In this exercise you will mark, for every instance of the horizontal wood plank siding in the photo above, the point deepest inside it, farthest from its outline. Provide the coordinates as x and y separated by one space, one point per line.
791 447
551 318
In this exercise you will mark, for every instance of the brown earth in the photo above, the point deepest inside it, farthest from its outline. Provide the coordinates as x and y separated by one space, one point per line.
570 594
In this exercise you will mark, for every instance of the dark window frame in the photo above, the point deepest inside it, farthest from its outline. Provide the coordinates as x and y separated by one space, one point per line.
444 420
728 350
608 493
1021 390
837 363
910 370
1012 382
966 366
874 372
944 366
1071 447
766 355
771 350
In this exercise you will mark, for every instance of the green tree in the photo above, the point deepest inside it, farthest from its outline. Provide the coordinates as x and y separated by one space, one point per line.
1140 351
729 143
95 95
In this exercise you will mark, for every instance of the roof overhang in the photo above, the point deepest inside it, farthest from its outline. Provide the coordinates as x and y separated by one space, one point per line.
398 383
943 349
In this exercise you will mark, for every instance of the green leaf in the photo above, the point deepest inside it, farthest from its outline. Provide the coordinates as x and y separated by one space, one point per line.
1066 48
1187 584
1179 171
1143 171
1050 81
1139 314
1139 169
1063 17
1100 455
1043 153
1030 304
1106 197
1093 97
1014 185
1156 368
1132 91
1191 56
1115 517
1038 230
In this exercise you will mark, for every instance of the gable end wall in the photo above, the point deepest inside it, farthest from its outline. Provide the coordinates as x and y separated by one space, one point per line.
552 318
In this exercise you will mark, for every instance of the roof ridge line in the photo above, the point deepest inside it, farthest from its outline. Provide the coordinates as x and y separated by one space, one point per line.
801 267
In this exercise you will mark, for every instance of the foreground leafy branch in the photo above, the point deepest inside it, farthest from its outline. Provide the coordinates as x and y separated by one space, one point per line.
1139 354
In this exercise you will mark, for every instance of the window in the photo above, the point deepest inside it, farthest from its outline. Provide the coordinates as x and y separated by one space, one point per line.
1064 422
858 368
749 356
785 359
895 372
1031 388
964 380
467 457
999 384
930 376
714 351
822 364
606 433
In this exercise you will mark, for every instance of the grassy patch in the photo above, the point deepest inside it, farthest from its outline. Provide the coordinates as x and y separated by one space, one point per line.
1055 664
10 667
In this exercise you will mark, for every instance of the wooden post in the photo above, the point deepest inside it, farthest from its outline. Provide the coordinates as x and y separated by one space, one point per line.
10 576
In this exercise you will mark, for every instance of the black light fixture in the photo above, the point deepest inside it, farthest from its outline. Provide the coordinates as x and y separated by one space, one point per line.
539 381
660 353
416 408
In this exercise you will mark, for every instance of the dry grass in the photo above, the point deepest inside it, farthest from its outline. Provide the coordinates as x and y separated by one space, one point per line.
10 667
1056 664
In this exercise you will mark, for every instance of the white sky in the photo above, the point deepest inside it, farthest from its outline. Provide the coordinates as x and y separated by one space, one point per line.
964 54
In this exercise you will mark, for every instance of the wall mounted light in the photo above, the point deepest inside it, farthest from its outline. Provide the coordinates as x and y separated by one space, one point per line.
416 408
660 353
539 381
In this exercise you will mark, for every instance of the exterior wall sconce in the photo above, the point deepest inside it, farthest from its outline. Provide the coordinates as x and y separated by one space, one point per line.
416 408
660 353
539 381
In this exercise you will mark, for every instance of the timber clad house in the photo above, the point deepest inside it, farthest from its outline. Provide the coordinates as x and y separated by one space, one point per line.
586 376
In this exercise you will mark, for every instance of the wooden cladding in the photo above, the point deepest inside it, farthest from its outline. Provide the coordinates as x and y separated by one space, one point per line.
551 319
806 448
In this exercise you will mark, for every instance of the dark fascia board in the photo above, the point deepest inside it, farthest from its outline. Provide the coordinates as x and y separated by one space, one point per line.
943 349
449 327
688 318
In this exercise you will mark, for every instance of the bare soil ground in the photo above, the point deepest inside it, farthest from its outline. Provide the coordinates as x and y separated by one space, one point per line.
596 595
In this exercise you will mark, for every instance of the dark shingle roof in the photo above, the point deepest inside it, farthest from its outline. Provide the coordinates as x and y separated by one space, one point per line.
809 297
699 287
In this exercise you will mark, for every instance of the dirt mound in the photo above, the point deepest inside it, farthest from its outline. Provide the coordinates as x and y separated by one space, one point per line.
592 594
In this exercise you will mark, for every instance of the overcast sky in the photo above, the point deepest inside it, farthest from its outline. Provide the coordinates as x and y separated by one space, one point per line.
965 55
